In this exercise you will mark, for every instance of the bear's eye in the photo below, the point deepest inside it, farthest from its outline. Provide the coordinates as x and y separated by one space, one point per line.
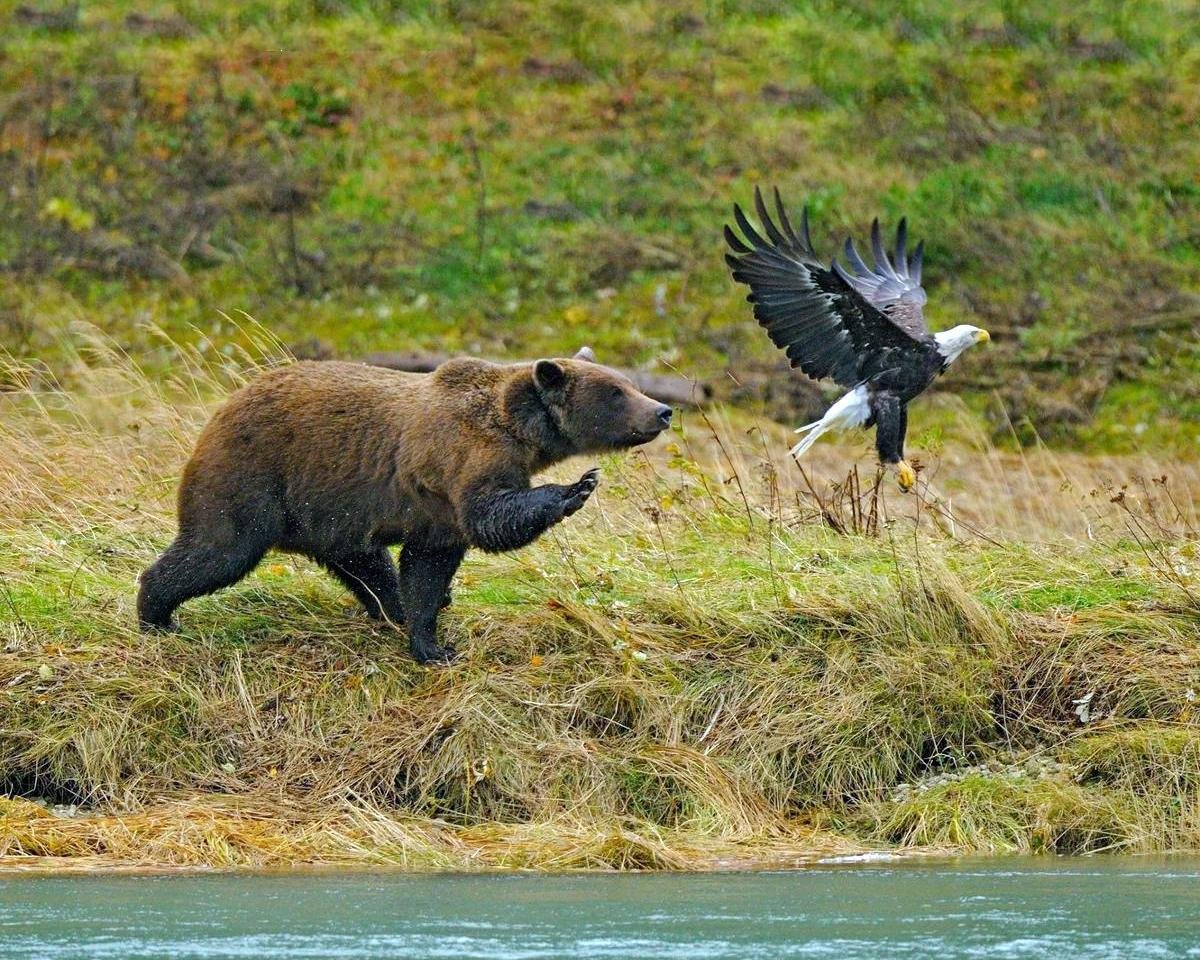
613 394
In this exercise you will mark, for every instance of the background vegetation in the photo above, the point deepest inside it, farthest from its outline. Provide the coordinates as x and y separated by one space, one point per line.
723 659
513 178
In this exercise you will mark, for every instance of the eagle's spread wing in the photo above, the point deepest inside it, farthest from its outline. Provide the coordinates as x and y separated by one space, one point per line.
831 322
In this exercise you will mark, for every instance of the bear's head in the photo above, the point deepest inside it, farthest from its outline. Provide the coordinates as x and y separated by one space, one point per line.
596 408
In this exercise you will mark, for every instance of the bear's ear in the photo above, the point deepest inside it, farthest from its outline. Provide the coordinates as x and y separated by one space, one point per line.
549 376
585 353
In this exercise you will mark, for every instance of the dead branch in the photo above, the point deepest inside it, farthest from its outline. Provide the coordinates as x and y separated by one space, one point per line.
677 391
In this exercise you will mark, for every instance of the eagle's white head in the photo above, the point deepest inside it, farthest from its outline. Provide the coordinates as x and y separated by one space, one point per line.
952 342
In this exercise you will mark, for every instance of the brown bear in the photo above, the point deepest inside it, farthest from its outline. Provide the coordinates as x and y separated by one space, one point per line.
339 461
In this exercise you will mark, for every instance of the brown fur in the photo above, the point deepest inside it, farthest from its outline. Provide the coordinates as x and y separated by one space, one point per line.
338 461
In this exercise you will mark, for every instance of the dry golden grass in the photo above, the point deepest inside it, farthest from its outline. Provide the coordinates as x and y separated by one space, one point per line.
709 666
229 833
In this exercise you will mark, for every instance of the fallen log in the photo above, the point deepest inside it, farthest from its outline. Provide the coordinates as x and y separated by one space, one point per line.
677 391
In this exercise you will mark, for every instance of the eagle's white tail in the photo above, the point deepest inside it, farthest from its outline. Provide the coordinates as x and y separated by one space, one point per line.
851 410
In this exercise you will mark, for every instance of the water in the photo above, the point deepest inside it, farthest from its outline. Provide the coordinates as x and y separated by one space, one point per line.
1119 908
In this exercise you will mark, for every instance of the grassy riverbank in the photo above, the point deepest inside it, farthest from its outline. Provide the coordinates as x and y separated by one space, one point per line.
707 666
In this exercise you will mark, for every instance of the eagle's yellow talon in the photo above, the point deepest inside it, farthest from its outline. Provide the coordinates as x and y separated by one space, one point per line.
906 475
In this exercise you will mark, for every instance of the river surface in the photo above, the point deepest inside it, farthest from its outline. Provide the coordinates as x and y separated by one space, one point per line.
1116 907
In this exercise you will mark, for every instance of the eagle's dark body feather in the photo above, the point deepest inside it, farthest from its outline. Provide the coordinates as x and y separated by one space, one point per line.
862 327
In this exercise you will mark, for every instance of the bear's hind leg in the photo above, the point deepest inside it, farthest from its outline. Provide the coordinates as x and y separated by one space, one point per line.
191 568
371 576
425 575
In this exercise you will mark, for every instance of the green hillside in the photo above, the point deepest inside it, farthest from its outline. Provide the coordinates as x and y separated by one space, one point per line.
514 178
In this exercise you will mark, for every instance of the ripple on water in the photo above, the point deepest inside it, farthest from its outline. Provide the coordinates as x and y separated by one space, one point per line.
1021 910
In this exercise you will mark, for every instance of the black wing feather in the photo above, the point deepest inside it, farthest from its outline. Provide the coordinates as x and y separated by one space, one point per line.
820 316
764 218
735 244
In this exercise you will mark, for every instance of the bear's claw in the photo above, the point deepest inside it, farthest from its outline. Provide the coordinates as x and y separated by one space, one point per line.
155 627
576 495
434 654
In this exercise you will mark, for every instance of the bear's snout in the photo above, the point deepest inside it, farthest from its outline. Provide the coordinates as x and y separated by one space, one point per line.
651 420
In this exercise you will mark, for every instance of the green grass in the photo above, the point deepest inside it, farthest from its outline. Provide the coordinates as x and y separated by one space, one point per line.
1010 815
514 178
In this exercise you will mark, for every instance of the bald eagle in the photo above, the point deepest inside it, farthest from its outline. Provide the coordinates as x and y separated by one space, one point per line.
864 327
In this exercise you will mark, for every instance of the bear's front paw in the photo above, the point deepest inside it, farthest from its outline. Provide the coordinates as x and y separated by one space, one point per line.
169 625
426 649
576 495
433 654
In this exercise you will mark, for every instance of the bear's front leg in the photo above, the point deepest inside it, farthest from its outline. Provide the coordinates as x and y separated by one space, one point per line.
425 575
500 519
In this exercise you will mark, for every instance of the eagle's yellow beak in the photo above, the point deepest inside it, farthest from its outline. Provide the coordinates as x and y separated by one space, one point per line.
982 336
